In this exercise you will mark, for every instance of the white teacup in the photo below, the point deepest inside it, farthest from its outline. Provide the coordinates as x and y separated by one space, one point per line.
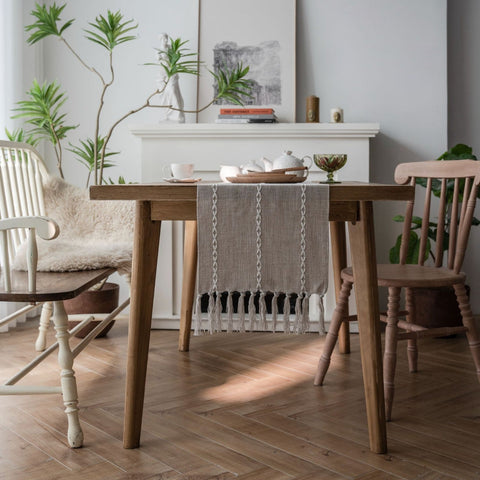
228 171
179 171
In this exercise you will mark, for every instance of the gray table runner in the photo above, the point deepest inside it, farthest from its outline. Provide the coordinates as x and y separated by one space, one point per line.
259 239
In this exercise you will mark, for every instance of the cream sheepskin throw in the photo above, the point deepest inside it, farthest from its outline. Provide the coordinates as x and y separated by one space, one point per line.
93 234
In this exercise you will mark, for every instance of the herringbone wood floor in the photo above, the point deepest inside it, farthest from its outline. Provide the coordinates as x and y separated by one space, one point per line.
243 406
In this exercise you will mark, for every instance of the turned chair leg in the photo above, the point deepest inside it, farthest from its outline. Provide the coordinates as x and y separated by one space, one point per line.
390 354
332 335
469 322
68 382
46 315
412 350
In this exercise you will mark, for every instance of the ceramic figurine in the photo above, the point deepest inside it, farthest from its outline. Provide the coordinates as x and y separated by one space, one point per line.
171 94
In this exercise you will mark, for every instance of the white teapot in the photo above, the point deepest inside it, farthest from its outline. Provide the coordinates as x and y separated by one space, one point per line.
287 160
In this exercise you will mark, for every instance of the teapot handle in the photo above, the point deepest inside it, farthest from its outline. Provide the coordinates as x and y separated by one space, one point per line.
311 161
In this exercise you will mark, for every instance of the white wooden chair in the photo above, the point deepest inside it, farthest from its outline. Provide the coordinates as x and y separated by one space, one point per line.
22 218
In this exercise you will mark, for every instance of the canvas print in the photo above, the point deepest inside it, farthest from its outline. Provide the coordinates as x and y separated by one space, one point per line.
231 33
265 69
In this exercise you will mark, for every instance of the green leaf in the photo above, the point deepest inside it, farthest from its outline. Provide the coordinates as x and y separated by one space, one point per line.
232 85
173 59
85 153
413 249
19 135
458 152
46 23
121 181
41 112
111 30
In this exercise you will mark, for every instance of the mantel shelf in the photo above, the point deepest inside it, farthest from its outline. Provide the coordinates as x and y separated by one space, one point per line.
278 130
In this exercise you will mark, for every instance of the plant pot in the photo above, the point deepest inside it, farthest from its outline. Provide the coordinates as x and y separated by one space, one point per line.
93 301
437 307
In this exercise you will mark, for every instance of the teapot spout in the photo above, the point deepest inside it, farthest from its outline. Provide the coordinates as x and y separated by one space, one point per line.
268 165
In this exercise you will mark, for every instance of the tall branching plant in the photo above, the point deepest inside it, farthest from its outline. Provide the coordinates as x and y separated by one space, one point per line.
109 31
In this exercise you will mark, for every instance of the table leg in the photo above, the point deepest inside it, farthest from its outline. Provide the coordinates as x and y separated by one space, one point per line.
339 260
188 286
144 269
362 245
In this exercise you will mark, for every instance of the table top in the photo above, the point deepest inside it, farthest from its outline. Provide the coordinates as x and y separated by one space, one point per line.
167 192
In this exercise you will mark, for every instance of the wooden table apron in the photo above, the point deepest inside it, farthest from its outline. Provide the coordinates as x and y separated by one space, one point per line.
349 202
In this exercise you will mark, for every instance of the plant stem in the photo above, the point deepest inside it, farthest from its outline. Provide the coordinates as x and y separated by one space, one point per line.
120 120
77 56
97 123
88 178
136 110
58 152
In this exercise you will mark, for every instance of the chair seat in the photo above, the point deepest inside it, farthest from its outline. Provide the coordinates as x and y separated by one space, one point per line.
52 286
414 276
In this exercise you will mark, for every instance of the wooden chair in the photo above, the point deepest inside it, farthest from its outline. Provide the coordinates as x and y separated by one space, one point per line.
396 277
22 212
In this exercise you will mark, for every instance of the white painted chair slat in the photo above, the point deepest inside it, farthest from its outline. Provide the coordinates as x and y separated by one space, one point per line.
35 170
18 236
9 184
5 261
6 205
21 193
26 187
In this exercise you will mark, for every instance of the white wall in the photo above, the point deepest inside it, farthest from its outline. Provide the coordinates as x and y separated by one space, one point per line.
464 106
380 60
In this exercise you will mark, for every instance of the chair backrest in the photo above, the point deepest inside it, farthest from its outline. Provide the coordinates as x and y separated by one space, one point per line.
457 183
21 191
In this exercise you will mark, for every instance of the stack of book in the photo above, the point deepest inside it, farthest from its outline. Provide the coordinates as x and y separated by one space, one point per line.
246 115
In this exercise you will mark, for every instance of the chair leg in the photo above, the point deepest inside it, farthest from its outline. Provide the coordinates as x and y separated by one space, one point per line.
469 322
390 354
412 350
46 315
68 382
332 335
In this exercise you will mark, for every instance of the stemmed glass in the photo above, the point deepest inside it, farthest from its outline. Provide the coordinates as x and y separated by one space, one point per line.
330 163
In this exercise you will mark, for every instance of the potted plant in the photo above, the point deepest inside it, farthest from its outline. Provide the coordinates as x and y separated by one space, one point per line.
434 307
43 111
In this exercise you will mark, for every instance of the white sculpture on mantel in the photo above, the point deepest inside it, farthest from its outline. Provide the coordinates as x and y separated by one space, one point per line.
171 94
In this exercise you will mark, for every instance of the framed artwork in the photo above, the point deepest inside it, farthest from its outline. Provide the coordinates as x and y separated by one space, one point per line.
257 33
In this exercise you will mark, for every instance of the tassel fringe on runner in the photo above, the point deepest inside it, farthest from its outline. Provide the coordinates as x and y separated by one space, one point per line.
256 321
258 241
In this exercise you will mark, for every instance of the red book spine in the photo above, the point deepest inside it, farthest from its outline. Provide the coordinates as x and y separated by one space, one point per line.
248 111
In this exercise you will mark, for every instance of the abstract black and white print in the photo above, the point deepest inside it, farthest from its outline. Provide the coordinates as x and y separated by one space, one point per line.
264 74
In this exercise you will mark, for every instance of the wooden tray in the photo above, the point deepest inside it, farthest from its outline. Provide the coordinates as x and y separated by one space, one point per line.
266 177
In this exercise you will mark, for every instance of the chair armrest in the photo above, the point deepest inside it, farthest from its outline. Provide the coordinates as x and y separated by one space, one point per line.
44 227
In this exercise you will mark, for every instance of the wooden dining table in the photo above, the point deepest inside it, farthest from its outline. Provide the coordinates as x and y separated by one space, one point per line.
351 203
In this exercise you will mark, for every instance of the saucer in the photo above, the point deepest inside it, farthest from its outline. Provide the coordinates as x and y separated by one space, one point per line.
182 180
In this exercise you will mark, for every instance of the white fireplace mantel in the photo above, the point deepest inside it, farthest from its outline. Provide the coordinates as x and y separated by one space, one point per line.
279 130
208 146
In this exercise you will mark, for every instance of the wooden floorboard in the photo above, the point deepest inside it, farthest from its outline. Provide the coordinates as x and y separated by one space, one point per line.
242 406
